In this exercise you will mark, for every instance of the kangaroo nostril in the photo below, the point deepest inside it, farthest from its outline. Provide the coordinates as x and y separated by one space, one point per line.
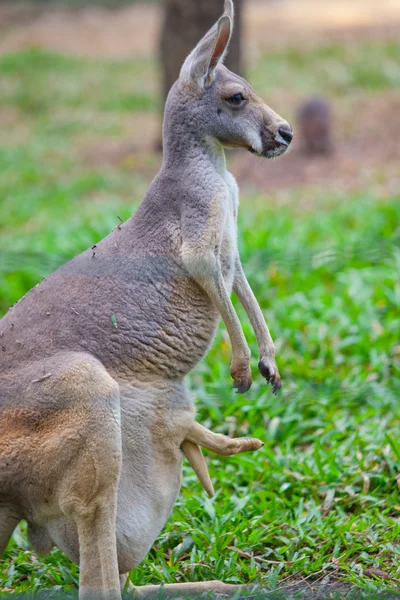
286 134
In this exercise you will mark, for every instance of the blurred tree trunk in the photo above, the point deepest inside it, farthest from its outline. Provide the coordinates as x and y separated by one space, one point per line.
185 23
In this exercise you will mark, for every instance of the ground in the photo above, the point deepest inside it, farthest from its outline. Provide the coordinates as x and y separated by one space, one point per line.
319 505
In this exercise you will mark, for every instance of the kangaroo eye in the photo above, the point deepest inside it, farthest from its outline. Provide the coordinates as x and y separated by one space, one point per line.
236 99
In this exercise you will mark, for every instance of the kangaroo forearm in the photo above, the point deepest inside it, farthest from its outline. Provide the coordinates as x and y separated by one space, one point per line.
204 267
218 295
247 299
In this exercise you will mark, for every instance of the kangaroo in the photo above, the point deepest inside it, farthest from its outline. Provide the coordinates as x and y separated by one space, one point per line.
95 415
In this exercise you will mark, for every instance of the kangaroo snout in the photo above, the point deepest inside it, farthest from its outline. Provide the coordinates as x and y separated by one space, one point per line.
276 138
284 134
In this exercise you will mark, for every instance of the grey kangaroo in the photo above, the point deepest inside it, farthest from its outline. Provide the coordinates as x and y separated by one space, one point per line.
95 415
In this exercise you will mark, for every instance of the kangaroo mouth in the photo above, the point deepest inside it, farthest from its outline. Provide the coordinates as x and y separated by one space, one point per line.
251 149
279 150
273 151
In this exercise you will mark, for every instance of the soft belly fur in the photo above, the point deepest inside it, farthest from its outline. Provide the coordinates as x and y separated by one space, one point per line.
154 420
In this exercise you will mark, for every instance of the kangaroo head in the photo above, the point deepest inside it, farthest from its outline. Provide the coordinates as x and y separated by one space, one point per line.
222 105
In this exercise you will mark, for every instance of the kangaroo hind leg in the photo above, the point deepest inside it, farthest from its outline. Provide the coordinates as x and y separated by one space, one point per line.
8 522
195 591
88 490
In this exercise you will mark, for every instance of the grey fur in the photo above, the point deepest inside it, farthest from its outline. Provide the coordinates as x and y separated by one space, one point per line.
93 402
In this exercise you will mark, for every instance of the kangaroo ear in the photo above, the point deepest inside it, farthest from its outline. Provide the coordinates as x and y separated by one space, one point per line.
224 31
210 51
229 10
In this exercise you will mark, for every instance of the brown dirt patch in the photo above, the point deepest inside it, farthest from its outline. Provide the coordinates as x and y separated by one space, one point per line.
133 30
89 32
308 22
327 586
367 127
141 130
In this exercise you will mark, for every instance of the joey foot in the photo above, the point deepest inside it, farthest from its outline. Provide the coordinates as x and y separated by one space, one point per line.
269 370
239 445
241 375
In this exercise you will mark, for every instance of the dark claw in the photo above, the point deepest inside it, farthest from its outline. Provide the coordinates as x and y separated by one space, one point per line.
264 370
271 377
276 387
242 387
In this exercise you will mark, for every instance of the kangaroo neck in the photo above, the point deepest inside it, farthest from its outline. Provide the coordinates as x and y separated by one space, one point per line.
190 152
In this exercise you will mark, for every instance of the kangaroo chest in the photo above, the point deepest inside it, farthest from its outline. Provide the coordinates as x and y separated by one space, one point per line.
229 233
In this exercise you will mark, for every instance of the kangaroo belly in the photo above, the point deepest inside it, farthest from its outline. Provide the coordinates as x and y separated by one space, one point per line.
153 427
143 510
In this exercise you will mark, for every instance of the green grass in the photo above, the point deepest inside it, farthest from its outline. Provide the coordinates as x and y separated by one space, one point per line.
333 69
37 82
322 497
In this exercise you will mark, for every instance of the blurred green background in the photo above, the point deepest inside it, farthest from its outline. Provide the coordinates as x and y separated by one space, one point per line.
80 103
